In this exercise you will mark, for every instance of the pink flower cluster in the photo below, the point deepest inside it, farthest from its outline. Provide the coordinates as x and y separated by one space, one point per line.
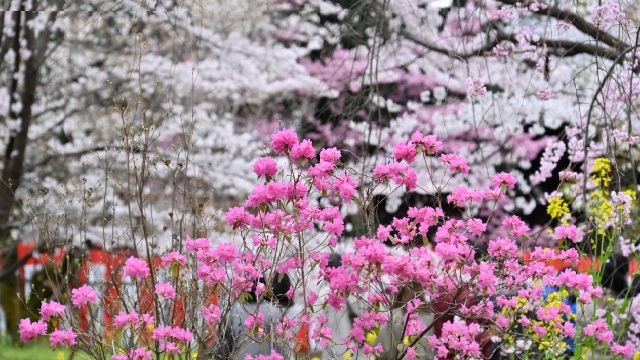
30 330
265 167
51 309
607 14
455 163
136 268
165 291
171 339
476 87
457 339
84 295
135 354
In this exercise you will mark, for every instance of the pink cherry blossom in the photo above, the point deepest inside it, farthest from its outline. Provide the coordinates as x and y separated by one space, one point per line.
476 87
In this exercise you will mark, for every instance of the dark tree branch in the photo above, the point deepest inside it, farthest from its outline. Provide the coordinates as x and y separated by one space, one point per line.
578 22
555 47
450 52
563 48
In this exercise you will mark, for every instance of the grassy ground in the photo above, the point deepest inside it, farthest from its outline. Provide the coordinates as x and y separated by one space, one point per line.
33 352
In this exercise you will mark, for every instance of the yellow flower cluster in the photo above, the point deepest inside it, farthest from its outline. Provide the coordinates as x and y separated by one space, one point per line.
601 210
557 207
600 171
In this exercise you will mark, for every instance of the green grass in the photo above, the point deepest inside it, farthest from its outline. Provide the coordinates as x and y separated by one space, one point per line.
35 351
31 352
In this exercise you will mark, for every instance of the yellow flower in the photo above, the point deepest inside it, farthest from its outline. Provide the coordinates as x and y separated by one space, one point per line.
557 207
631 193
601 167
600 171
371 337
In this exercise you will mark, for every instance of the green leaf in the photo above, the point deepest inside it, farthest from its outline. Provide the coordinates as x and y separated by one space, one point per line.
357 201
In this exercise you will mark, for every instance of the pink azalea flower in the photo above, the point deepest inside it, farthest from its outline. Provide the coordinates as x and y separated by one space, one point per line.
197 244
459 196
429 143
170 348
570 232
345 187
29 330
226 252
237 217
625 351
212 313
140 354
51 309
83 295
123 319
455 163
180 334
504 179
303 151
173 258
403 151
61 337
136 268
476 227
265 167
283 140
330 155
165 290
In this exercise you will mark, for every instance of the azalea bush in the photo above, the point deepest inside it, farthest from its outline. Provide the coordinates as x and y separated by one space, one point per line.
475 302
